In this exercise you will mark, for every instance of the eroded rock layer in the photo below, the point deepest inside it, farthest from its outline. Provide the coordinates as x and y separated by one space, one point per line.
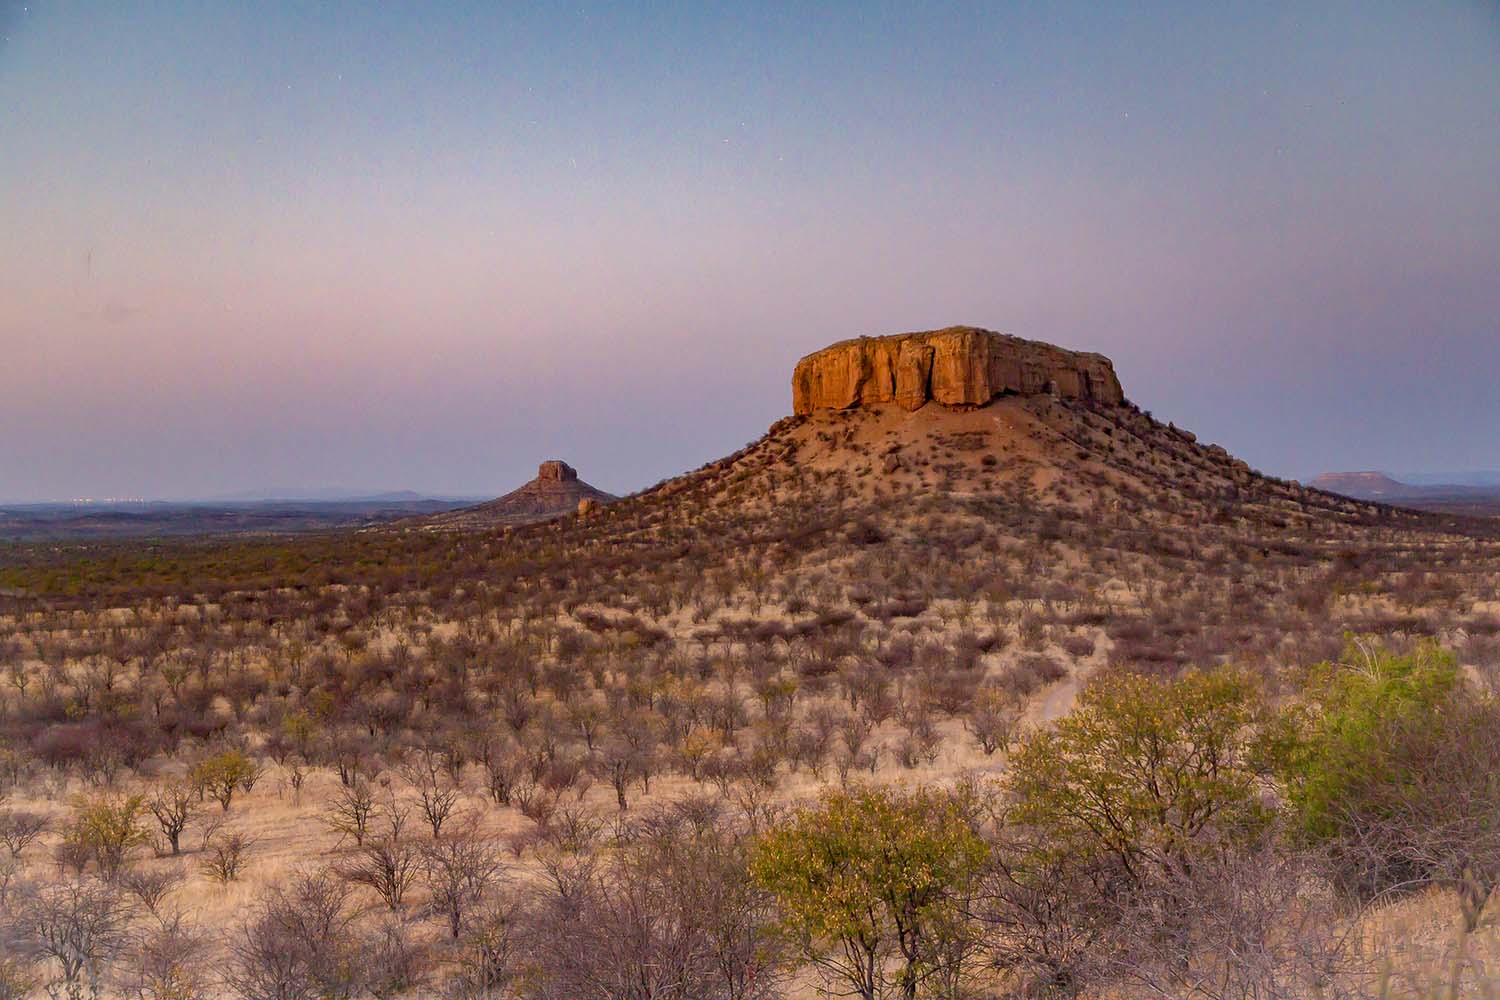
958 366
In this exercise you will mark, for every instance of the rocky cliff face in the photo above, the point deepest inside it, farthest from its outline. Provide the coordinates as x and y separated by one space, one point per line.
556 471
958 366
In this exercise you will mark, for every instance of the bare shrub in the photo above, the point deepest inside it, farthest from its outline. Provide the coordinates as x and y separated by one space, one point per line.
1041 918
991 719
349 812
20 829
79 927
459 872
227 856
298 943
168 961
491 952
1078 646
151 885
674 915
395 962
388 863
535 802
1239 926
1030 674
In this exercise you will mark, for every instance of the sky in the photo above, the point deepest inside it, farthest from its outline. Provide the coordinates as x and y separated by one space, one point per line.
294 245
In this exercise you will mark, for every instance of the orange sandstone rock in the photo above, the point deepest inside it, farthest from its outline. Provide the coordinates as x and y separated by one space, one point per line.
958 366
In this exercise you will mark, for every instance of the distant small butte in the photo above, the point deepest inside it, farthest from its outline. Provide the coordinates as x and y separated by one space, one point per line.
555 491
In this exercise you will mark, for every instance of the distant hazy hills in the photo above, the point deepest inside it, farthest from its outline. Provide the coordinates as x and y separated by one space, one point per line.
1364 485
263 513
1454 493
327 495
1483 477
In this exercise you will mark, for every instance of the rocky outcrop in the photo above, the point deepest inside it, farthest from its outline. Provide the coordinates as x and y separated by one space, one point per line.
555 491
556 471
958 366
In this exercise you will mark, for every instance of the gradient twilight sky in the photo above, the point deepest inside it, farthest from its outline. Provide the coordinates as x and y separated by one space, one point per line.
427 245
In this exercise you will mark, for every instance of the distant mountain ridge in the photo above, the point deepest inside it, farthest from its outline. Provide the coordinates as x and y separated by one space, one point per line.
1473 477
330 495
1363 485
1476 496
1384 486
162 518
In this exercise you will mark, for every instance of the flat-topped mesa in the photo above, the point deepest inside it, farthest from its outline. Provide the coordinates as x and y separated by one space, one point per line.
556 471
957 366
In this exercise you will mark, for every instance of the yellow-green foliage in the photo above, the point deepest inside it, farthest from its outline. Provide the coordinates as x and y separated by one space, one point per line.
870 875
1340 736
1392 764
222 773
105 829
1144 768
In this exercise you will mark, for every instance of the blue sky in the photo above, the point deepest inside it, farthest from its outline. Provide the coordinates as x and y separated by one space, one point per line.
428 245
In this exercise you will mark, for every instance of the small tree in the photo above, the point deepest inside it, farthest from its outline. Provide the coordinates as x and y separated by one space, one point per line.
502 769
437 793
227 856
221 775
620 763
173 805
105 830
871 878
1145 771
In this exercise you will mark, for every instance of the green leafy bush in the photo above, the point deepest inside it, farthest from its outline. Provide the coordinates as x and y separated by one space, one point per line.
1391 763
1146 770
